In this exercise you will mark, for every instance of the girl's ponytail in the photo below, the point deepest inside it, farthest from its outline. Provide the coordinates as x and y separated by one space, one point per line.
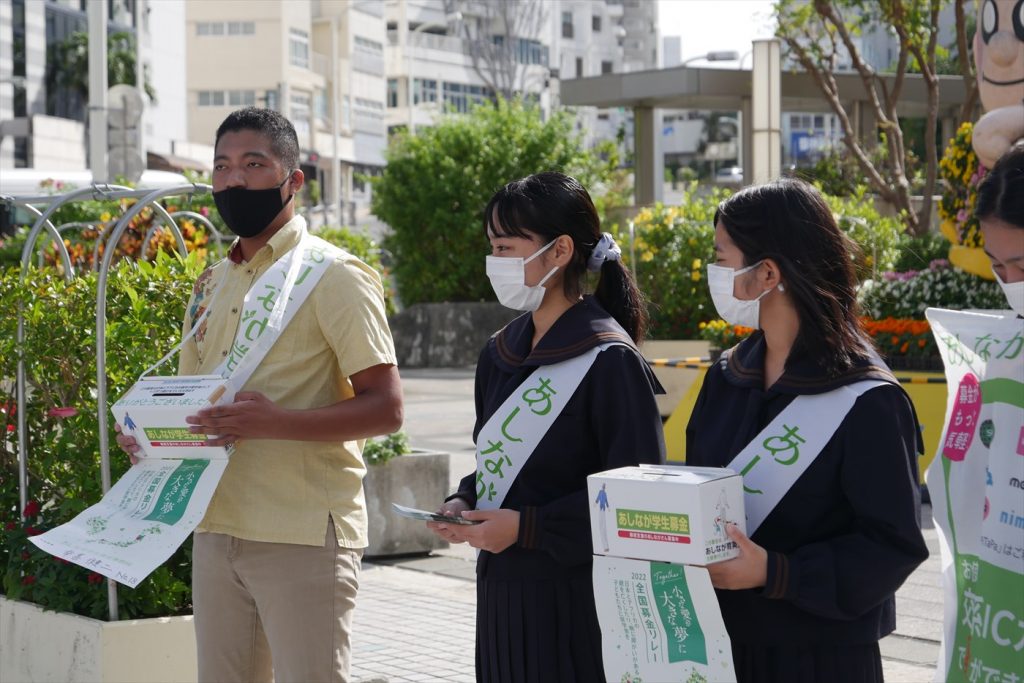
618 294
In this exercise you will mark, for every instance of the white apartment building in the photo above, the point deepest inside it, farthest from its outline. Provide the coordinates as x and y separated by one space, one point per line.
321 63
42 123
430 54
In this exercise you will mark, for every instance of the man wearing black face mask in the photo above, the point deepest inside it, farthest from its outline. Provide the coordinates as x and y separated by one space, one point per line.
277 556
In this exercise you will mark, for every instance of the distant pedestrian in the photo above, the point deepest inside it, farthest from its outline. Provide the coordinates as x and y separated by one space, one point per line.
561 393
812 590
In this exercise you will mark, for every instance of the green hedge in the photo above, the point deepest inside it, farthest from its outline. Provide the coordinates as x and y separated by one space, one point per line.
145 306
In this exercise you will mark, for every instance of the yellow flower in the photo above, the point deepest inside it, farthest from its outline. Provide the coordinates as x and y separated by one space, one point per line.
105 216
696 264
692 241
695 276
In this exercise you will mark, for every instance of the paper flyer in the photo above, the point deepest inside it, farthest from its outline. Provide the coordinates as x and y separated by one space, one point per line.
141 520
976 482
660 622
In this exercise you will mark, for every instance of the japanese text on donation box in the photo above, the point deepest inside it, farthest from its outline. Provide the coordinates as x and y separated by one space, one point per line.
977 490
660 622
141 521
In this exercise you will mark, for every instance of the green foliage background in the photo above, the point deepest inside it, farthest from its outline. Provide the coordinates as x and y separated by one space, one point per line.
145 306
437 182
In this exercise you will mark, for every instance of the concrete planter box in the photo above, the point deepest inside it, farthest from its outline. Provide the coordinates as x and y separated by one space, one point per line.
417 480
37 645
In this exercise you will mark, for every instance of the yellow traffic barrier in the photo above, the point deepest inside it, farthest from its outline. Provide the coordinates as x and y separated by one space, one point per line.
927 391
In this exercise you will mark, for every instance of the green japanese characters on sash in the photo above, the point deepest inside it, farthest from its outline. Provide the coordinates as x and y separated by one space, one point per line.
784 448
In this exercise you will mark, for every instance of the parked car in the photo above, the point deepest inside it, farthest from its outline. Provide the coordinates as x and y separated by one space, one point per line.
729 175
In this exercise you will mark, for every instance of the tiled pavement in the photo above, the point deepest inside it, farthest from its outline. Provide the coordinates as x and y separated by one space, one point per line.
414 619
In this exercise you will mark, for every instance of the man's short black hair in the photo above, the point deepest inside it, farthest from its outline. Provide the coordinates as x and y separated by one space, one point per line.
280 131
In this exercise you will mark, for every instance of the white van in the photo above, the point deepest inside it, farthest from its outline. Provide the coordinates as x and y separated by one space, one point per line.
28 181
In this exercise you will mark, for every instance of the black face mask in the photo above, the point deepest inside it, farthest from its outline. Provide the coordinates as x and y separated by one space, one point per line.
249 212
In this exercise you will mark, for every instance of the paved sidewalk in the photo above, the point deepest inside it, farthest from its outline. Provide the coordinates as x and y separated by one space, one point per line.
415 616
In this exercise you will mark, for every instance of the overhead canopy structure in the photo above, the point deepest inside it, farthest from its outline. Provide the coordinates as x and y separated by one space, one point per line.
730 90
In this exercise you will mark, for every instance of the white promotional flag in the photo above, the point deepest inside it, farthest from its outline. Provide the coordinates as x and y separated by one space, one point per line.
976 482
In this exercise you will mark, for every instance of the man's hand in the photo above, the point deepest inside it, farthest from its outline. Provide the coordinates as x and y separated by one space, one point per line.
128 444
251 416
749 570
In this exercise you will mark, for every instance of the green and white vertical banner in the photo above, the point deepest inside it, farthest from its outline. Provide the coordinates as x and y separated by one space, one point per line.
660 622
976 482
141 520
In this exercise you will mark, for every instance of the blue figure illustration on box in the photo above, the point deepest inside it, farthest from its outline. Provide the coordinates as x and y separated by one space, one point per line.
602 504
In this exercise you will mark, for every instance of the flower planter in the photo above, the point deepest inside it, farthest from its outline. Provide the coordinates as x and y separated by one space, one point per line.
417 480
39 645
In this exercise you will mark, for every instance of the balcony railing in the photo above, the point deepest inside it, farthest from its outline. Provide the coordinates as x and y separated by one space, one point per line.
368 63
431 41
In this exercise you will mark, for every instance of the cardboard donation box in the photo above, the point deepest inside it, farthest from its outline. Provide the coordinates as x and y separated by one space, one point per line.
154 412
661 621
668 513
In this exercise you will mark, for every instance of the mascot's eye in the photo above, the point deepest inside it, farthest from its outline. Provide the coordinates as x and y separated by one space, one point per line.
989 20
1018 20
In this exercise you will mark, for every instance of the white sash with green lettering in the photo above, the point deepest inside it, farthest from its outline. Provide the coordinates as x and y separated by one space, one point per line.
510 437
272 302
268 307
775 459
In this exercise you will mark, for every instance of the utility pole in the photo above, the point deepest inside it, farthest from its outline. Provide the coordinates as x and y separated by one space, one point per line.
97 12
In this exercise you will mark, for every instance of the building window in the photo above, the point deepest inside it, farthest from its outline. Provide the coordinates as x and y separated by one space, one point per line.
424 90
392 93
225 28
459 97
220 98
567 28
242 98
595 23
606 67
299 111
369 46
241 28
298 48
579 67
320 106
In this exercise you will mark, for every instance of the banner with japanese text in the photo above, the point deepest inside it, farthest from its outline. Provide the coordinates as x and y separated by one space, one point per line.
140 522
976 482
660 622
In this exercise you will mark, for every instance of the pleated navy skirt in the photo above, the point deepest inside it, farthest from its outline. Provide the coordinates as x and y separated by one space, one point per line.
808 664
535 631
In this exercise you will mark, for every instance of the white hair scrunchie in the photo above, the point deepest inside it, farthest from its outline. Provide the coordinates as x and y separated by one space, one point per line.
605 250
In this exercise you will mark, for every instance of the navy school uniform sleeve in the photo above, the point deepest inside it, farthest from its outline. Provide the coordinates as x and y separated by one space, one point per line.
626 428
846 576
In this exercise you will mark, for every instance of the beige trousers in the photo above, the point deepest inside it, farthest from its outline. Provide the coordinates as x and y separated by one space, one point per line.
273 611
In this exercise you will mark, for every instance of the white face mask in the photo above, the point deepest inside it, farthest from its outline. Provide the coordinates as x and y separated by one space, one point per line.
1014 292
508 278
722 283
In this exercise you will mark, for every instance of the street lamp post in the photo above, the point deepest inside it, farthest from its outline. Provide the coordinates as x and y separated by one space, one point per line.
713 56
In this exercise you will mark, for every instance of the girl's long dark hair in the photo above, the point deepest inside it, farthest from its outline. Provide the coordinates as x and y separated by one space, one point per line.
789 222
548 205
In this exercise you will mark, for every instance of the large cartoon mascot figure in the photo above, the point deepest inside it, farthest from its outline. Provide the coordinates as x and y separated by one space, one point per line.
999 62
